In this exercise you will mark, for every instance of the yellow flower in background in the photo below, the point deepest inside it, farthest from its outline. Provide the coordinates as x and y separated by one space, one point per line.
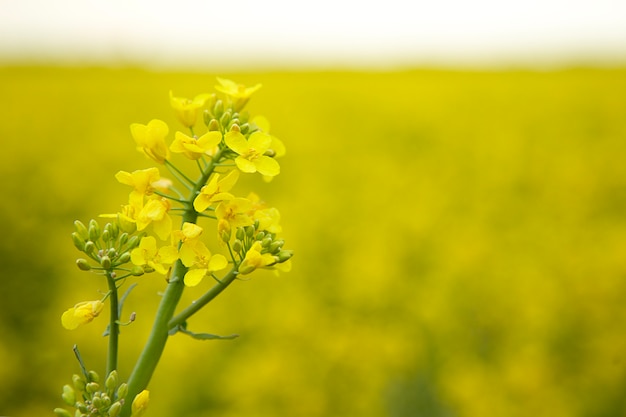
150 139
254 259
234 90
277 145
251 153
268 217
140 404
188 110
142 182
216 190
81 313
197 257
159 259
155 212
194 148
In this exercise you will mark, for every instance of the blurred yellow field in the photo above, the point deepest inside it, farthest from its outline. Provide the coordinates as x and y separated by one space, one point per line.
459 237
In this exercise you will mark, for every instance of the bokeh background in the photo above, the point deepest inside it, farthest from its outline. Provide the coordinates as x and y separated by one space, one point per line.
459 229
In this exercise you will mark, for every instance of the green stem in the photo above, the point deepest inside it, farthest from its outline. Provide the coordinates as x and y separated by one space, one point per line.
114 329
153 349
204 300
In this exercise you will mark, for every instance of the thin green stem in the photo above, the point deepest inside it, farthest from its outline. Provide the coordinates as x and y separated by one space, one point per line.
178 200
153 349
180 175
114 329
193 308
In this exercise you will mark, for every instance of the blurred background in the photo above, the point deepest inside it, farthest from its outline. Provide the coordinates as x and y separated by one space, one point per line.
454 189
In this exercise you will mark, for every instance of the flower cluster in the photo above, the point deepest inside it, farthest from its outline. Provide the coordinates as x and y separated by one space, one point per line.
220 142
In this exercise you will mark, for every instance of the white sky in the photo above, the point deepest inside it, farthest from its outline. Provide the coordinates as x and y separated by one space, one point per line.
313 34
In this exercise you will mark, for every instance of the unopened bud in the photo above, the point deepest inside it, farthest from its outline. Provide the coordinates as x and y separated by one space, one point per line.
240 234
94 377
235 128
125 257
249 231
276 245
68 395
106 235
225 118
115 409
94 230
225 235
81 229
111 253
83 265
123 238
266 241
122 391
96 402
79 383
270 152
90 247
237 245
133 242
218 109
79 242
244 128
214 125
137 271
61 412
260 235
284 255
105 261
148 269
111 382
92 387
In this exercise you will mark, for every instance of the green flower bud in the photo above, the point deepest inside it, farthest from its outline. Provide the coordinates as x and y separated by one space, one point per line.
79 383
133 242
111 381
256 224
106 235
218 109
235 128
148 269
123 238
237 245
260 236
270 152
68 395
214 125
105 261
79 242
284 255
114 229
115 409
249 231
124 258
82 264
226 235
111 253
106 401
93 376
94 230
240 233
244 128
92 387
276 245
90 247
81 229
267 240
122 391
225 118
61 412
206 117
137 270
96 402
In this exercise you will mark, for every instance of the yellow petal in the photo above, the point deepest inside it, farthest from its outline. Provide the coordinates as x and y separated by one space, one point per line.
194 276
245 165
259 141
267 166
237 142
217 262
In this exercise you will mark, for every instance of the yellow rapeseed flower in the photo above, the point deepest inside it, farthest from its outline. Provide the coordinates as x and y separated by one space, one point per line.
188 231
194 148
238 93
81 313
188 110
155 212
216 190
234 212
142 182
250 152
150 139
254 259
197 257
159 259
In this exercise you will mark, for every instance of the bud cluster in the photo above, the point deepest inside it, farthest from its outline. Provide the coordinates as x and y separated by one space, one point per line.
250 239
90 399
109 247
